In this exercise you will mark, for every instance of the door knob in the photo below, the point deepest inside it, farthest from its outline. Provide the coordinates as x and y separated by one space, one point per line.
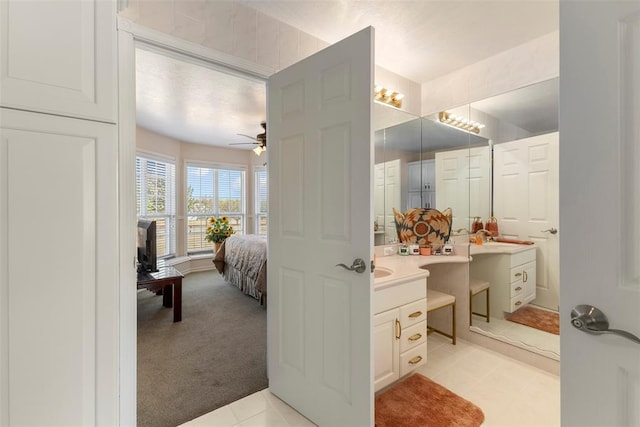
552 230
592 320
358 266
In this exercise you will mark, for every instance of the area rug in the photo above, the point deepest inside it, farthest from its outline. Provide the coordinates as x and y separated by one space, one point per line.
418 401
544 320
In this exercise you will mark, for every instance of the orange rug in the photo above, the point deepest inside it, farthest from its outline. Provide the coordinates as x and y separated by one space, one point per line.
419 402
544 320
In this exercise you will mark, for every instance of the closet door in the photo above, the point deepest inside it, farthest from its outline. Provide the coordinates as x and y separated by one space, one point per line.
58 271
59 57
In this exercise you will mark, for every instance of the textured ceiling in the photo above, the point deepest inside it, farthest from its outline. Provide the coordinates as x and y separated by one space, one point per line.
420 40
424 39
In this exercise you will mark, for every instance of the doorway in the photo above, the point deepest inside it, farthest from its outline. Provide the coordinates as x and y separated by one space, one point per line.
178 81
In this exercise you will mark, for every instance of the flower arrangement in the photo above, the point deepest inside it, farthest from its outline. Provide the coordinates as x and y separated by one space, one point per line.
218 229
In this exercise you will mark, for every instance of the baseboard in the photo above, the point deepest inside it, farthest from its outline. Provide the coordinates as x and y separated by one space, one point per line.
192 264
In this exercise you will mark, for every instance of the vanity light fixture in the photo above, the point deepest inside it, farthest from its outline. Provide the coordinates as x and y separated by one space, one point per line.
459 122
387 96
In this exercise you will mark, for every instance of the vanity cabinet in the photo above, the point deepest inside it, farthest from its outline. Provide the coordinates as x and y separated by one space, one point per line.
512 278
399 331
421 184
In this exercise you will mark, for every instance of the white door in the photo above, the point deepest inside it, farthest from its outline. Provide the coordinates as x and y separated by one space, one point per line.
600 209
526 205
59 270
320 206
392 193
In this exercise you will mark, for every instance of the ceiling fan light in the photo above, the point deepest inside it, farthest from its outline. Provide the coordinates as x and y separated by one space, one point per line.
258 150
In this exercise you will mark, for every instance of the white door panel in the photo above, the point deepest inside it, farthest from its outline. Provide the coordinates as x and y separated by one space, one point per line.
58 265
599 187
320 205
526 203
59 57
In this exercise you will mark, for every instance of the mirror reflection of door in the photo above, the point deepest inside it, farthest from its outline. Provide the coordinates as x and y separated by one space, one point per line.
520 137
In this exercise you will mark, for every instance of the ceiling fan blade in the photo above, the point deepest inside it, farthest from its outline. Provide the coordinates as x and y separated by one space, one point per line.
243 143
247 136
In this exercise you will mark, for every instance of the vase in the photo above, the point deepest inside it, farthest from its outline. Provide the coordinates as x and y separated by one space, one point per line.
216 246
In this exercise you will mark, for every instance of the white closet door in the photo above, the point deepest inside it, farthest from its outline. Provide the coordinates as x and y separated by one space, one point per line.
59 57
58 271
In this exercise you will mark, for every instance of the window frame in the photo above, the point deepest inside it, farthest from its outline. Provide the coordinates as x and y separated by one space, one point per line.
258 213
215 166
170 200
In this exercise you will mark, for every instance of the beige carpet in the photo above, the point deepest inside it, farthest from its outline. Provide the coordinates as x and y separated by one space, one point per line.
544 320
216 355
417 401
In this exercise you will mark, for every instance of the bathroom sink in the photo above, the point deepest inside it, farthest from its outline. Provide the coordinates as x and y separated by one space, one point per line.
380 272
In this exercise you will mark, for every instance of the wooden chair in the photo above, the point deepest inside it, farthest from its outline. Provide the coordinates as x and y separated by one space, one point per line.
437 300
475 287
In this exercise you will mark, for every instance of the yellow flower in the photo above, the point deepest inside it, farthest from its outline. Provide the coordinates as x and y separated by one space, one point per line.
228 233
216 231
231 228
212 220
209 229
224 219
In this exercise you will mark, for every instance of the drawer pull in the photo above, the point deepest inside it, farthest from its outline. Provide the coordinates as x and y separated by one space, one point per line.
518 274
398 329
415 337
415 314
415 360
518 303
519 288
526 277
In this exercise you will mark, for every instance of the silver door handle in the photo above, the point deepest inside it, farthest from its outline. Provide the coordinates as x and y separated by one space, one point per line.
592 320
358 266
552 230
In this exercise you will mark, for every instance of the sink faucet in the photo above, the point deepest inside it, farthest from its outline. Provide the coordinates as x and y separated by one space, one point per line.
460 230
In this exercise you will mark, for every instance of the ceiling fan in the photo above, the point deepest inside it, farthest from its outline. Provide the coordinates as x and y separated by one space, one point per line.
260 140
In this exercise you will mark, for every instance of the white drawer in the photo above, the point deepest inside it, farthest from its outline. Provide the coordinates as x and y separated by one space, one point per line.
413 336
517 288
395 296
413 313
516 303
517 273
523 257
413 358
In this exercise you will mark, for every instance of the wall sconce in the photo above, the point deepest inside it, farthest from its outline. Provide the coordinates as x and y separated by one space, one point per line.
459 122
387 96
259 149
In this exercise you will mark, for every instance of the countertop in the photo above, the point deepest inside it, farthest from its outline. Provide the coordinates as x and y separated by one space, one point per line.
410 267
498 248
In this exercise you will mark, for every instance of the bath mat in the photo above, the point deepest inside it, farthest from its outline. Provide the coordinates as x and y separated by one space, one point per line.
544 320
418 401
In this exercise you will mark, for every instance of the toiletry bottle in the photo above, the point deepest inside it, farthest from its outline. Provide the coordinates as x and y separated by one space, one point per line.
476 225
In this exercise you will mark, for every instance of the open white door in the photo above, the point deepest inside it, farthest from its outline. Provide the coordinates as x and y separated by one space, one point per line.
600 209
321 214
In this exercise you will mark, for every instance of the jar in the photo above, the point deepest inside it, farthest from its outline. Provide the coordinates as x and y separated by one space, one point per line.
492 226
476 225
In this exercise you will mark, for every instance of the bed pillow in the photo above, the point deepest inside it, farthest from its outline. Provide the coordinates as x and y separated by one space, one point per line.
424 226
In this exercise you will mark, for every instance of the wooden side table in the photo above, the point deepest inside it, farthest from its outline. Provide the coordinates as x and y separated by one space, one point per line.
167 280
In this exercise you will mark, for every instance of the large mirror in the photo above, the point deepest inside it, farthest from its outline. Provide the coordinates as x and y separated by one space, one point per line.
425 162
522 127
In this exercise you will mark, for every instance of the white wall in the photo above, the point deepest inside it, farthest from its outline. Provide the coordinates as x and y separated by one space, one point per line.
181 152
531 62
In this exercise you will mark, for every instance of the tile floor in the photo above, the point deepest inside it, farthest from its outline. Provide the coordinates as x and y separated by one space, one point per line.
509 392
515 331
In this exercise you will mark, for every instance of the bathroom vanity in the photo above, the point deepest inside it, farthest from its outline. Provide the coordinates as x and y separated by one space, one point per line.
400 314
399 330
511 271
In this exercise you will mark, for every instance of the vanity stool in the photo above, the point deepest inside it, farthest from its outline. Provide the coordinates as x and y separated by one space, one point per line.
437 300
475 287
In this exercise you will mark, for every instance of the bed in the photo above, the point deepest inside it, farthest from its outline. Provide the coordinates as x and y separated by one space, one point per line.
242 261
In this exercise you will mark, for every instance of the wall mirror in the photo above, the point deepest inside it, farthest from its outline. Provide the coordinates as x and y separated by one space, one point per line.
422 162
522 127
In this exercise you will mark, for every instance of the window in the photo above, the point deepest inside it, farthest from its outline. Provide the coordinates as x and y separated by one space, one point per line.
213 191
156 199
261 202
